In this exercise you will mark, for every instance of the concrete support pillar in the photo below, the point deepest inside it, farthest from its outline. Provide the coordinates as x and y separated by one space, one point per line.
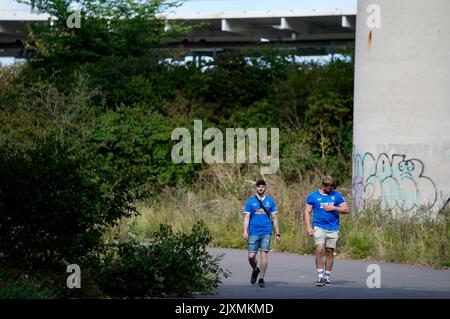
401 154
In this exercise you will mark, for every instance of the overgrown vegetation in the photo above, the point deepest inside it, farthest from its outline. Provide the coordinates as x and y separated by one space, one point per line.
169 264
52 209
85 137
371 234
79 144
20 286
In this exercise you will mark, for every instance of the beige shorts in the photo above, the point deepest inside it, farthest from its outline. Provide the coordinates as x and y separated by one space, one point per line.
325 237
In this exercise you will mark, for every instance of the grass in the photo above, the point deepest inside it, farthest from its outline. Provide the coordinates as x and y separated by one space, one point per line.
416 239
372 233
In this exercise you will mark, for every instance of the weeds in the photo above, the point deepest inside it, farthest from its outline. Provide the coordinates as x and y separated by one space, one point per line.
372 233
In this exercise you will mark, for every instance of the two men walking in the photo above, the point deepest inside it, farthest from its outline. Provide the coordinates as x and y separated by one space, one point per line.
325 205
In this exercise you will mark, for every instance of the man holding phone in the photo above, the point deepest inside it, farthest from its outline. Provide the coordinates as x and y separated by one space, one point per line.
326 204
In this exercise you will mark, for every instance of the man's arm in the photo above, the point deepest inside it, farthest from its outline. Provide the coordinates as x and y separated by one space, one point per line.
342 209
308 211
246 223
275 225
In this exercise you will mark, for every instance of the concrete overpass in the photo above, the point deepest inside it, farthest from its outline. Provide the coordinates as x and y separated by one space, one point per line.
311 31
13 23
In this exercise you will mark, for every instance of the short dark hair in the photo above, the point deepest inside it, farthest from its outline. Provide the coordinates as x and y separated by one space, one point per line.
260 182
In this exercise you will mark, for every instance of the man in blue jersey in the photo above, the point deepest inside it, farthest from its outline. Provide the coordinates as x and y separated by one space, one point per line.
260 211
326 205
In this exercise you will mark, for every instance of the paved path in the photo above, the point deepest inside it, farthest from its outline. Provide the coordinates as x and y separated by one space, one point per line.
292 276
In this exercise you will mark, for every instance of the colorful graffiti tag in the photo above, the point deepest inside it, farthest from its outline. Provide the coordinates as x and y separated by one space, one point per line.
396 182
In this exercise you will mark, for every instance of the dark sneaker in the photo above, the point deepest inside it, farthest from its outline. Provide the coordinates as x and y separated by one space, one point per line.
328 282
261 283
320 282
255 274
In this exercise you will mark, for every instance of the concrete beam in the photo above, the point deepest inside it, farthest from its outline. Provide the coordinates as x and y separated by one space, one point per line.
238 27
348 22
256 14
301 27
261 31
244 28
8 28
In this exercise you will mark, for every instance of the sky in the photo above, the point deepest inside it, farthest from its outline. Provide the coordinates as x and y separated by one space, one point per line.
235 5
263 5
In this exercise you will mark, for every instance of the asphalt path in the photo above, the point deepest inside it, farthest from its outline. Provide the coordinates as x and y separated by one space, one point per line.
292 276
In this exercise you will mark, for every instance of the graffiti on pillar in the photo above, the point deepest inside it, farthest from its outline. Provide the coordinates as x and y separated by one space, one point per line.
397 182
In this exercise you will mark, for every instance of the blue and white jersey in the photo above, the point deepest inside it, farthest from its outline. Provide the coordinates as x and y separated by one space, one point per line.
322 218
260 223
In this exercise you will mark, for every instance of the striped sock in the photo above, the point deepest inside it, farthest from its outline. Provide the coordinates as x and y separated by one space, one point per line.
327 274
320 273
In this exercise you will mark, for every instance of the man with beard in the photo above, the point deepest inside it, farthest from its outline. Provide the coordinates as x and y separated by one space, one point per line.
260 211
326 204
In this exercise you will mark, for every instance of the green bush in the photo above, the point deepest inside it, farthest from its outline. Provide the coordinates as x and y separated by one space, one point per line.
132 81
23 288
131 272
172 264
53 208
134 145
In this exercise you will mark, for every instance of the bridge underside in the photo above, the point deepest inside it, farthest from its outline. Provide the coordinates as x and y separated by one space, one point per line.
307 33
300 48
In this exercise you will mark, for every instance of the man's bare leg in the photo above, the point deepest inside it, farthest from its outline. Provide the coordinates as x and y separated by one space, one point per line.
264 263
329 255
320 250
252 260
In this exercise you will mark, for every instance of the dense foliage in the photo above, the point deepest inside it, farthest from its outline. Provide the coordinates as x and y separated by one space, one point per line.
174 264
85 129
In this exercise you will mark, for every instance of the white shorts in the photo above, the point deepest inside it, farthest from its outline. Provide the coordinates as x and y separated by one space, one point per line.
325 237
